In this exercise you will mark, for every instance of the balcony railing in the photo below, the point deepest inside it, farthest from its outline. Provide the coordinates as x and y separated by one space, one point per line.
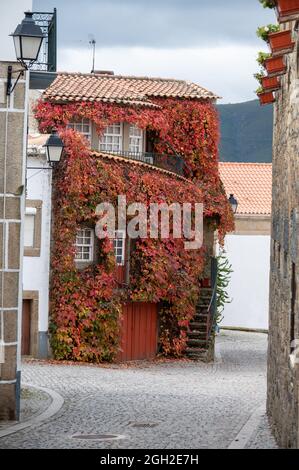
173 163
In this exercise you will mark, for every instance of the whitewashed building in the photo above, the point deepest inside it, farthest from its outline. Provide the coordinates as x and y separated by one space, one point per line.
248 248
36 260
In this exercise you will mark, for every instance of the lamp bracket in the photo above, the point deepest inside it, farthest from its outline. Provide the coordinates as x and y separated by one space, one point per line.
10 88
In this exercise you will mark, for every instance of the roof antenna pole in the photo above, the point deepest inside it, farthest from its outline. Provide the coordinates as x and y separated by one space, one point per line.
93 44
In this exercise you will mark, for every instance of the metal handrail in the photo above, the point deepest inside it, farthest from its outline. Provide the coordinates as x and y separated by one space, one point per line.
211 313
212 307
173 163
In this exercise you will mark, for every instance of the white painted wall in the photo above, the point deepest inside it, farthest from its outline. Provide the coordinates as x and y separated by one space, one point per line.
36 270
11 14
249 286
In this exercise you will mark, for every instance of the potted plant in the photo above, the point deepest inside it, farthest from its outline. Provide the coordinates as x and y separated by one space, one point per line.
287 10
264 31
267 83
265 97
262 57
275 66
270 83
281 42
268 3
259 76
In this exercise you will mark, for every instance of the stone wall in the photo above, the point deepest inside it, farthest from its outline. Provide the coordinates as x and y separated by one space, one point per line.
12 194
283 372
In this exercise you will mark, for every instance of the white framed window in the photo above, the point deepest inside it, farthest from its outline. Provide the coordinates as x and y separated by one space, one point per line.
135 139
119 247
84 245
29 227
83 126
33 228
112 138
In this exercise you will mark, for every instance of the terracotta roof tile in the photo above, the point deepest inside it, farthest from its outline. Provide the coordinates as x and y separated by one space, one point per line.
121 89
251 184
129 161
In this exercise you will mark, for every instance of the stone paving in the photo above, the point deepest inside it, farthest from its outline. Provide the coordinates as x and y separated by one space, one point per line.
33 402
155 405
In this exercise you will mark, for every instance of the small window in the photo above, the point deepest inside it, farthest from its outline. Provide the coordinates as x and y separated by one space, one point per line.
83 126
119 247
84 245
135 139
29 229
111 140
32 228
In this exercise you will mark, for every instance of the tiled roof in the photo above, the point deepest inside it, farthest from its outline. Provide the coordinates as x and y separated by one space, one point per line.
251 184
121 89
129 161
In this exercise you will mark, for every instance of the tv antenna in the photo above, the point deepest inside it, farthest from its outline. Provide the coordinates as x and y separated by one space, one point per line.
93 43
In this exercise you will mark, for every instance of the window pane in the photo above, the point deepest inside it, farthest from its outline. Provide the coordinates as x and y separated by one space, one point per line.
83 126
84 245
119 248
111 140
29 230
135 140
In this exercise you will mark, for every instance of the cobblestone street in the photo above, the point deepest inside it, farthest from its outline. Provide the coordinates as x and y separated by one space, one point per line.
156 405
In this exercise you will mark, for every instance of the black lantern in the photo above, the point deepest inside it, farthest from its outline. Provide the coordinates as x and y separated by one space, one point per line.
54 148
233 202
28 38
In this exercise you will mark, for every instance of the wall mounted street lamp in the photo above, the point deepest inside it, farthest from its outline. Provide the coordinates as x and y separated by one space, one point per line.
54 148
233 202
28 38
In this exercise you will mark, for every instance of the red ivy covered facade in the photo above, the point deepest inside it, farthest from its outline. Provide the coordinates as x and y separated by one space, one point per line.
86 304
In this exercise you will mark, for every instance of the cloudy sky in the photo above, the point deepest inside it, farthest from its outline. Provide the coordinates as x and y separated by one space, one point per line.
210 42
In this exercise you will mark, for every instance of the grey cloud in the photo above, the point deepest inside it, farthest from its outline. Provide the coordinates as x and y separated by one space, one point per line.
157 23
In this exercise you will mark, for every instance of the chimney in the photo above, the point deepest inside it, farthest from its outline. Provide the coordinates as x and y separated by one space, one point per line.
103 72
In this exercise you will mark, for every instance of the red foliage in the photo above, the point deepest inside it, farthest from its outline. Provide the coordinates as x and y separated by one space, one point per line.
85 307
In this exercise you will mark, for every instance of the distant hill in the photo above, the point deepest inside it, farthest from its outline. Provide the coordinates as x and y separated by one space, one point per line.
246 132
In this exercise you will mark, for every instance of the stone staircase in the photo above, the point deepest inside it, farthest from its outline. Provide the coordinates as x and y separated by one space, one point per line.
198 345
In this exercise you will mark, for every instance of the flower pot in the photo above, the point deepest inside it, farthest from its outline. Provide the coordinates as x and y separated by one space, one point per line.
266 98
287 10
270 83
275 66
281 42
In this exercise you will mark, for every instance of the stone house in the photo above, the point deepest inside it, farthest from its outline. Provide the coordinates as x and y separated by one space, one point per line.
130 146
283 365
36 261
248 246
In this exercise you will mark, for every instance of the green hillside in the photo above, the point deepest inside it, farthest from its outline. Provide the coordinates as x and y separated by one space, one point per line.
246 132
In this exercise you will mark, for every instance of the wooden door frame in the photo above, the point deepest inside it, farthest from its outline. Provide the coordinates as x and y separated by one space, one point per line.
33 296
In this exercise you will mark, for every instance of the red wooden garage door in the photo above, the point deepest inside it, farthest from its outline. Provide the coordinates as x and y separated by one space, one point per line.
139 335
